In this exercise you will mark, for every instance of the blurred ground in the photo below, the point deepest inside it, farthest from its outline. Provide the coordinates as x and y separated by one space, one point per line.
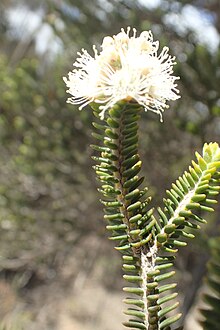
86 298
70 311
78 298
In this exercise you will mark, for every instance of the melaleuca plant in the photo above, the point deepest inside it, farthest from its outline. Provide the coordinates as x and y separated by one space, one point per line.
126 76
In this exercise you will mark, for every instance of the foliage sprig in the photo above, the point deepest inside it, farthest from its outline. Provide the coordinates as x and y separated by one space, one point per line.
149 239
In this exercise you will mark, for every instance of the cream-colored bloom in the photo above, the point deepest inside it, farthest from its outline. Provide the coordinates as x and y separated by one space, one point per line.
127 68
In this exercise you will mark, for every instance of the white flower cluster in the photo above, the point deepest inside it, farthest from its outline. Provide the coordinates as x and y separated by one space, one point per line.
127 68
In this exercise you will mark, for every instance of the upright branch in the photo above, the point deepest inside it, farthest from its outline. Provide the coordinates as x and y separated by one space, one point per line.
127 211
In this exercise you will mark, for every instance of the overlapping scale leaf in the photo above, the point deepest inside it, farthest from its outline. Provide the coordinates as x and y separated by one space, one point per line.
118 168
166 291
210 313
126 205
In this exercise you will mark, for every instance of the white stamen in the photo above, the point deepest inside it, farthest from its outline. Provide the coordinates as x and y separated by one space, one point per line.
126 68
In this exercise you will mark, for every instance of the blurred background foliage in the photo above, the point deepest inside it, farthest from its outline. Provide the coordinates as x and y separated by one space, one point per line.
49 210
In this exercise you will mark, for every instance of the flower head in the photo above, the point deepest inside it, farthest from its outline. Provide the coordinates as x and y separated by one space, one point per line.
127 68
